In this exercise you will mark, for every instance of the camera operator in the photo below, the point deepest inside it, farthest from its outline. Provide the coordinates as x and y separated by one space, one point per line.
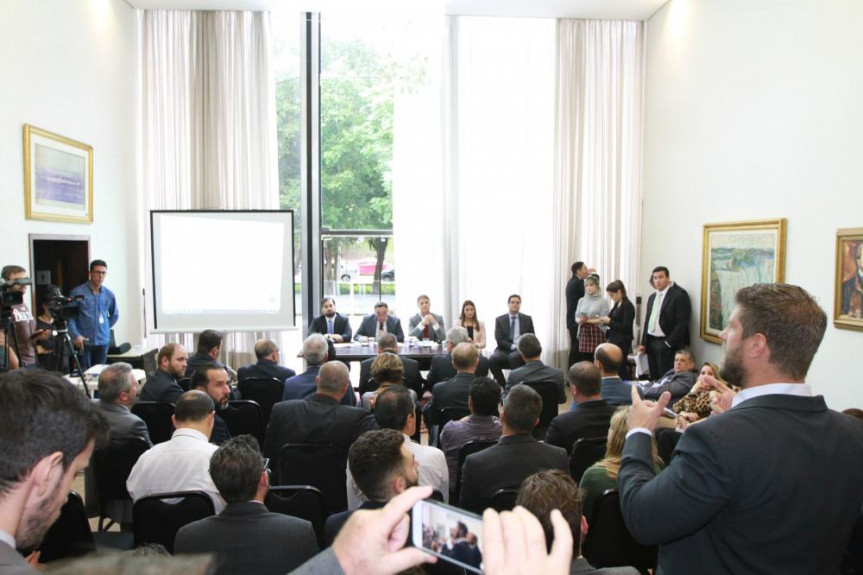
91 330
22 319
46 352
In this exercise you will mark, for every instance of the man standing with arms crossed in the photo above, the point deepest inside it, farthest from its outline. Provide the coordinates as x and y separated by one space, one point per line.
91 330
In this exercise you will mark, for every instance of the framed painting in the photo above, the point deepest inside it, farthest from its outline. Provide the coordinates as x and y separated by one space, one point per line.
848 301
736 255
58 177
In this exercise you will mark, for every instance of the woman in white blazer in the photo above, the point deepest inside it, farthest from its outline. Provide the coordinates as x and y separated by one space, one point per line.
469 321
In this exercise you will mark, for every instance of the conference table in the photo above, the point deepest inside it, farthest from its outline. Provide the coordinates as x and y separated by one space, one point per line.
422 352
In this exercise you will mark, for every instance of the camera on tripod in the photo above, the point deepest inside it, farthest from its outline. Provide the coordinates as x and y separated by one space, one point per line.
10 297
63 308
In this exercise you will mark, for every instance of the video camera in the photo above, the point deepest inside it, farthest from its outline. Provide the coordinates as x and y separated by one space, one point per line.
8 297
63 308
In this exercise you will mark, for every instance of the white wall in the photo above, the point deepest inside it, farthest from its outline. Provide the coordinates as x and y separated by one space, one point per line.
70 67
753 110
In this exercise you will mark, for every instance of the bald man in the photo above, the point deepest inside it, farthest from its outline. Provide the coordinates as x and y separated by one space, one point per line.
608 358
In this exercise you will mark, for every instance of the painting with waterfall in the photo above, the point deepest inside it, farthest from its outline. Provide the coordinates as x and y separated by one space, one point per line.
736 255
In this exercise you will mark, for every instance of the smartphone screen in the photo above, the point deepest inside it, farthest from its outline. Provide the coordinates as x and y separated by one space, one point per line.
452 534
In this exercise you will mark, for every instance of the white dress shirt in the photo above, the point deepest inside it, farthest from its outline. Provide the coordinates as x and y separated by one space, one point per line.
181 464
660 295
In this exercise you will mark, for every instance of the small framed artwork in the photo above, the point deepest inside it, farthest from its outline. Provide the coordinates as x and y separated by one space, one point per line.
58 177
736 255
848 302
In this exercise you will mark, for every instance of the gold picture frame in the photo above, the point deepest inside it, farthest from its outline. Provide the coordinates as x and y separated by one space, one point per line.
736 255
848 294
58 177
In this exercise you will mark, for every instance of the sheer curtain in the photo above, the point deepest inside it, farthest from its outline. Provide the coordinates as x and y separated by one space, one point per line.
597 156
208 130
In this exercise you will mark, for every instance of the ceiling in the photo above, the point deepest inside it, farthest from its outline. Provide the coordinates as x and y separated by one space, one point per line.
593 9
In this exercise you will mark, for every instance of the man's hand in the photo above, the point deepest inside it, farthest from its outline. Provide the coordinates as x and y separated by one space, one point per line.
721 395
337 338
372 542
646 413
514 544
79 341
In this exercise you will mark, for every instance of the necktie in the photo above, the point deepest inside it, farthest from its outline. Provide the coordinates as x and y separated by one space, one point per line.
426 332
380 326
512 328
654 313
329 326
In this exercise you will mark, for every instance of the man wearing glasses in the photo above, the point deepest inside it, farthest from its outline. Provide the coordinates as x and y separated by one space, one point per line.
91 330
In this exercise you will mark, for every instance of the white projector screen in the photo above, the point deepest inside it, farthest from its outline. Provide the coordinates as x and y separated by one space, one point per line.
225 270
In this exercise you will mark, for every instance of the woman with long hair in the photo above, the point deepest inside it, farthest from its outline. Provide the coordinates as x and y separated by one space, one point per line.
469 320
387 370
695 405
620 323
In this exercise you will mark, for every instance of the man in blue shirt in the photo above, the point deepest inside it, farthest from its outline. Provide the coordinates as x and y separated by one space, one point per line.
91 330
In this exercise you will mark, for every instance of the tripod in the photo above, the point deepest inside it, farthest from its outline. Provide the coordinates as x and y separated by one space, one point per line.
64 349
10 340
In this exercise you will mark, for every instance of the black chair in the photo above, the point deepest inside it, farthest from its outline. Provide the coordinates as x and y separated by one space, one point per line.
243 417
444 416
303 501
666 441
112 465
468 448
547 390
585 452
70 535
157 416
503 499
436 496
417 436
157 520
609 543
266 391
185 383
320 465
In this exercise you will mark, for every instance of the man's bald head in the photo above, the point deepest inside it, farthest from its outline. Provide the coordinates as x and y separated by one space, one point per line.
608 358
465 357
333 379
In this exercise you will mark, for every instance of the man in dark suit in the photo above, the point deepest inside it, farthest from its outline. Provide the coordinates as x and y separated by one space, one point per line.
678 380
574 292
533 370
516 456
666 325
319 418
591 415
615 391
774 483
331 324
267 351
453 393
245 537
380 322
301 386
161 385
441 365
208 351
412 379
213 380
507 329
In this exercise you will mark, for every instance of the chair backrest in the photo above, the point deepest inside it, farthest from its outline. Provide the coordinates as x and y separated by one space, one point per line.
417 436
243 416
448 414
266 391
70 535
303 501
185 383
666 441
504 499
157 416
547 390
319 465
468 448
112 465
608 542
157 521
585 452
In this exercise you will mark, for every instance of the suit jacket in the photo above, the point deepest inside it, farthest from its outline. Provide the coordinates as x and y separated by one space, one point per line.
772 485
615 391
451 393
369 327
506 465
536 371
673 317
341 326
580 565
412 377
416 330
324 563
588 419
678 384
501 330
620 330
574 292
303 385
265 368
13 563
316 419
246 538
122 422
478 333
199 359
336 521
161 386
442 369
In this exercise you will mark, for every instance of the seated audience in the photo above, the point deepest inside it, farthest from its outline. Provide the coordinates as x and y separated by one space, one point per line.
507 329
380 322
161 385
534 370
442 367
482 424
543 492
426 325
411 378
303 385
678 381
382 466
209 348
591 414
454 392
330 324
387 371
608 358
469 320
246 537
395 409
516 456
212 379
602 475
183 463
695 405
267 351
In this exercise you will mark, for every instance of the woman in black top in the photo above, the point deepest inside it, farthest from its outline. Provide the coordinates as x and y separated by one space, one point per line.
620 321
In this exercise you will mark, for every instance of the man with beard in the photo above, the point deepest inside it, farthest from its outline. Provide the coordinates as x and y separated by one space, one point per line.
162 384
47 435
213 380
774 483
331 324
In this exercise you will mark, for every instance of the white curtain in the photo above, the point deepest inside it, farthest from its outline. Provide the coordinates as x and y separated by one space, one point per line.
597 156
208 130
